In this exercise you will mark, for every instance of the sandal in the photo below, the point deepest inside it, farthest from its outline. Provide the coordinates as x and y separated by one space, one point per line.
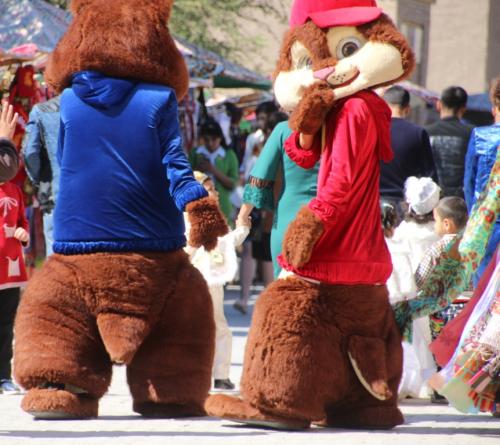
239 307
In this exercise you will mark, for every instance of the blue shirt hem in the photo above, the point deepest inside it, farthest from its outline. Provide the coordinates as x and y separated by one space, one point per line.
139 245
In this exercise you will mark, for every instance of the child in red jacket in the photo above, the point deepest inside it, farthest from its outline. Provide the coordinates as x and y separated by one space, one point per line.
13 233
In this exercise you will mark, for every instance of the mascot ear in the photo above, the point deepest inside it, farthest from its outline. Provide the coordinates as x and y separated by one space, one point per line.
162 8
167 5
77 5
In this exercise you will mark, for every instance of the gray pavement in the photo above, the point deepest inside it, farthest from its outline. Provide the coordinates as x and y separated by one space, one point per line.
117 424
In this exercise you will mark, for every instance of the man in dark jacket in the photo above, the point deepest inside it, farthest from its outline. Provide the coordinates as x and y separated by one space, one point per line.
449 139
411 146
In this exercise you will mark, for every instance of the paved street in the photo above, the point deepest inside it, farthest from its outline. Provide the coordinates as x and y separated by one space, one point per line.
425 423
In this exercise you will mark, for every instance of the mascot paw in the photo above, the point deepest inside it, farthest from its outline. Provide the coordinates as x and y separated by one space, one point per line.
301 237
53 404
168 410
308 117
207 223
363 416
237 410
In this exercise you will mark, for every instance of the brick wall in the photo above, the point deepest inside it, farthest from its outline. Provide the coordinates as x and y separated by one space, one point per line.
460 48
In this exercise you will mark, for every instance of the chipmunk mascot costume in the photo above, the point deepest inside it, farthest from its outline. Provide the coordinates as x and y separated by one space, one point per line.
324 345
119 288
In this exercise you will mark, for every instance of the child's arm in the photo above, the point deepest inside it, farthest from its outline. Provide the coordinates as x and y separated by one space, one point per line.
22 231
22 235
428 263
231 178
8 121
243 224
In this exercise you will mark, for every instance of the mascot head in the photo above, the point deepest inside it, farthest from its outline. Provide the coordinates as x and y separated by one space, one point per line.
119 38
343 45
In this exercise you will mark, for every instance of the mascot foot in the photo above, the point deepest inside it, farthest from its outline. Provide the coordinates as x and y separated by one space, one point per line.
237 410
381 388
59 404
370 417
168 410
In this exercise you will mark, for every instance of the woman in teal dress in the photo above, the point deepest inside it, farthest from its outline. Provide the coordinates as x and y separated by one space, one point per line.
298 187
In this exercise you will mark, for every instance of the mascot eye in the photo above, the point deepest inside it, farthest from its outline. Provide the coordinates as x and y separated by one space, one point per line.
347 47
304 62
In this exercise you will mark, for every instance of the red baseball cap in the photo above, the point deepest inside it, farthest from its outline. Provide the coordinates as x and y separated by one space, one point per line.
327 13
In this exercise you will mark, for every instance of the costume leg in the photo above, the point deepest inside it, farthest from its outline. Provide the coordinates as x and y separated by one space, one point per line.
293 361
170 375
361 408
57 342
247 273
9 300
223 336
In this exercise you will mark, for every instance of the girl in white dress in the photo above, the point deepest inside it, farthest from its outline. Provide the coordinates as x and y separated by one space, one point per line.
218 267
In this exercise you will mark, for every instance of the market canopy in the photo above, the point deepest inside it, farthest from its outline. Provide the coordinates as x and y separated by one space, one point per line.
427 96
237 76
41 24
10 58
479 102
31 21
202 64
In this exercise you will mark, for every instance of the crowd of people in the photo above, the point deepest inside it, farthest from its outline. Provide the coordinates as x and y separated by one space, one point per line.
427 193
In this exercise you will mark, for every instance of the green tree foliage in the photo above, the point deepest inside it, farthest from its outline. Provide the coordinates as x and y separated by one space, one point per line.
61 3
219 25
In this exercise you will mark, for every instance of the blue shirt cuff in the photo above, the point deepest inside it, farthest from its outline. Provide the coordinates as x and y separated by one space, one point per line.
191 193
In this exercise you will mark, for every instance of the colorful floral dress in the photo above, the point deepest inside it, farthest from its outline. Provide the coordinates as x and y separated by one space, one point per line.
471 379
451 276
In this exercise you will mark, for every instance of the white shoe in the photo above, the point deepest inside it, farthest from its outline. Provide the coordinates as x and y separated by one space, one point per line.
8 387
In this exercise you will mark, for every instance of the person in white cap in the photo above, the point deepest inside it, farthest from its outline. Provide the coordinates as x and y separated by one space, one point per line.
414 236
422 196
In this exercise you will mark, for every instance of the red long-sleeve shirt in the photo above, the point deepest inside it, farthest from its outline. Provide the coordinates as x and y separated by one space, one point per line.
12 216
352 249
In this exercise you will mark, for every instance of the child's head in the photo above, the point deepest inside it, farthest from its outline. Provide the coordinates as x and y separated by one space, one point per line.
9 161
263 111
389 218
450 215
274 119
212 135
422 196
495 98
207 183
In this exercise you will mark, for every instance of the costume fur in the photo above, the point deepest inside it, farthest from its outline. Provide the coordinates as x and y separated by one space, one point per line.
329 351
89 308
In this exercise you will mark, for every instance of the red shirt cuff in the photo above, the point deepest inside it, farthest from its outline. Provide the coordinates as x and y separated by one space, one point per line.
303 158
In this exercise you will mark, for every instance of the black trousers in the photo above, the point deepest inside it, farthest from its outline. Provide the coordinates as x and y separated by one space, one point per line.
9 300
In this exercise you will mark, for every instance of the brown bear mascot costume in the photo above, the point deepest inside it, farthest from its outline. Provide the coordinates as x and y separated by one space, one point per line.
323 345
119 288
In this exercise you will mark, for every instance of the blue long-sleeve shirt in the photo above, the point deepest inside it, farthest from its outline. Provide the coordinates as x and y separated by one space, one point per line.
125 179
481 155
